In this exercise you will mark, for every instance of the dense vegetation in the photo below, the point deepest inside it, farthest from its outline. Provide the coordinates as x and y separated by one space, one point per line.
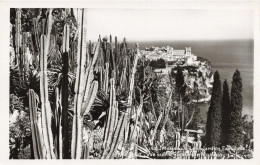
213 127
160 63
76 99
226 127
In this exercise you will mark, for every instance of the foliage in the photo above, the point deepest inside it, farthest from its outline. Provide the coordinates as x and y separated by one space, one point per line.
213 126
225 114
235 129
197 119
248 123
160 63
179 79
19 137
113 106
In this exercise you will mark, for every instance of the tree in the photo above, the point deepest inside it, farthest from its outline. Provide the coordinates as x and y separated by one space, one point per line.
225 114
160 63
213 126
236 129
180 83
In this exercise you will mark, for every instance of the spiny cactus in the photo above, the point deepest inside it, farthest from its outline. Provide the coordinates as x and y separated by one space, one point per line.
36 133
112 118
104 67
65 93
79 89
58 145
85 151
85 87
45 104
168 108
18 41
118 136
131 90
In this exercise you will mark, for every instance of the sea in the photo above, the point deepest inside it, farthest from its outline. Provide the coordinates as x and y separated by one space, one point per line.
225 56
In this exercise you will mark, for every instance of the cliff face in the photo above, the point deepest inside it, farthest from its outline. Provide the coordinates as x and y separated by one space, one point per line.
198 79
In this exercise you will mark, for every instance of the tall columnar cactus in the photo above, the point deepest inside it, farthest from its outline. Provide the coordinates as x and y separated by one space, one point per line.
131 90
72 56
135 130
116 51
57 120
36 133
114 139
112 118
123 80
35 37
36 34
85 87
118 136
45 104
65 94
17 36
106 78
22 57
79 88
168 108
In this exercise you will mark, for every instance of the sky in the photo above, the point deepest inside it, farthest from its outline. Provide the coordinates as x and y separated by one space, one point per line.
161 25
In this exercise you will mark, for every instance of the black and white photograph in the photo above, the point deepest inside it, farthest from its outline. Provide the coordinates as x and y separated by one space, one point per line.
131 83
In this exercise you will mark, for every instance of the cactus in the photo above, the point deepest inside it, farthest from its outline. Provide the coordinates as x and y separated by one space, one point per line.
118 136
123 80
79 88
115 134
155 129
36 42
36 34
45 104
106 78
22 58
134 131
36 134
85 151
57 117
107 67
85 87
20 46
111 119
17 35
131 90
168 108
65 94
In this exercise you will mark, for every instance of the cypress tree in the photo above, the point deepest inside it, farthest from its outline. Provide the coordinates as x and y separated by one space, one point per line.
225 114
235 130
213 126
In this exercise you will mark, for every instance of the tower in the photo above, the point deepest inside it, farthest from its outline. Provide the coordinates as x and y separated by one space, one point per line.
187 50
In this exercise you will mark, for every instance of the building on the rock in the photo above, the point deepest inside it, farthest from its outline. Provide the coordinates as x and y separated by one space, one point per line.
171 55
